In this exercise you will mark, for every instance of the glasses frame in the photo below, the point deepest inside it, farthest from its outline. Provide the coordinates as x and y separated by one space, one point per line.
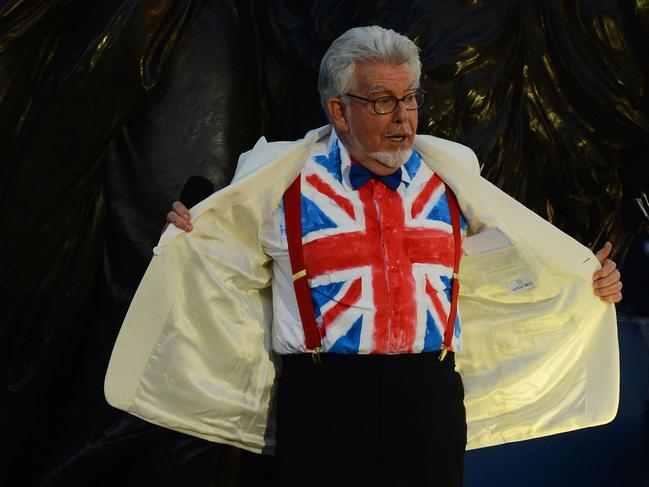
418 91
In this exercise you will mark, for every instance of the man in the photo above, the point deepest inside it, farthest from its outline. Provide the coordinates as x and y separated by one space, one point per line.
368 393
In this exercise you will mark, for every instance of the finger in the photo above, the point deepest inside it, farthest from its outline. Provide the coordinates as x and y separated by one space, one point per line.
608 266
607 280
604 252
614 288
179 222
613 298
181 210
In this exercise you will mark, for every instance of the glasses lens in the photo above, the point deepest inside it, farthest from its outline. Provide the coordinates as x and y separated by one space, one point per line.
385 104
419 98
414 100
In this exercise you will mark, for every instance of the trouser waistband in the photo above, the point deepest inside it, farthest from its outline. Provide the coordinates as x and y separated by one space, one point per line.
368 362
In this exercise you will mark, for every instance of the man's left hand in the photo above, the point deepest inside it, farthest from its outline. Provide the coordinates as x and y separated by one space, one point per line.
606 281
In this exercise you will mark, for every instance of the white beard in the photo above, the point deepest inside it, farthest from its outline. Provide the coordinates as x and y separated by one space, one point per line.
392 159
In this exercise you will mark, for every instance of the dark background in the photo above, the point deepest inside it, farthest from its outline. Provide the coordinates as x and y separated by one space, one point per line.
107 107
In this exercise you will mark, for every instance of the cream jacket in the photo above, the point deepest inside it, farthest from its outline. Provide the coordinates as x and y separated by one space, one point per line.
194 351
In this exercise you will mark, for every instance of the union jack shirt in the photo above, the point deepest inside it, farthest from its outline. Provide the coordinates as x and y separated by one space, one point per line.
379 262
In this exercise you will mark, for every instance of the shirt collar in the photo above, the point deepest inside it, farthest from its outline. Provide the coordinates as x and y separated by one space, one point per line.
346 162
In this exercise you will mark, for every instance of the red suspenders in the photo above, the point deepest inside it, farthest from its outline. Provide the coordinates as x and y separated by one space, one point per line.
454 209
293 217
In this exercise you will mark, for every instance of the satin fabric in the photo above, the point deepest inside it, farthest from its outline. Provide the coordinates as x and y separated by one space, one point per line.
194 351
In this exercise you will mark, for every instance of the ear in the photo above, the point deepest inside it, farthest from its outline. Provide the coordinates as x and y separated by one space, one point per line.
338 114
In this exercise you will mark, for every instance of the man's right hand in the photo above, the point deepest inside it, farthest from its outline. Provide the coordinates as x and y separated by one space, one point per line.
179 216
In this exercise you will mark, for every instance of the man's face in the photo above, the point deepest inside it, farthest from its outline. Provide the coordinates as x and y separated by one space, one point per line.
379 142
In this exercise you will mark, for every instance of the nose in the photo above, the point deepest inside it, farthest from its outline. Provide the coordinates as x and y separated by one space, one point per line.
400 113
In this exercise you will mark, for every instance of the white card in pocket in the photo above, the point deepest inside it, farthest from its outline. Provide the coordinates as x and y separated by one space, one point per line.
490 240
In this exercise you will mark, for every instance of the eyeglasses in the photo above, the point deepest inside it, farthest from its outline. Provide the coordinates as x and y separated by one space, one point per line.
387 104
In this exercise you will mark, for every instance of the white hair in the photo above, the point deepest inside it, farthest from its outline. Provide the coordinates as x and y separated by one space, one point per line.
371 44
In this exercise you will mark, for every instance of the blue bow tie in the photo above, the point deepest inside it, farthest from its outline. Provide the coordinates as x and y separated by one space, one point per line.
359 175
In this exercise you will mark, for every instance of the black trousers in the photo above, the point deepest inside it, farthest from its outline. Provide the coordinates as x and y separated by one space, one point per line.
370 420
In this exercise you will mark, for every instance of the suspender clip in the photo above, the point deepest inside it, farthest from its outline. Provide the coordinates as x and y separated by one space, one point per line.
442 353
315 355
299 275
